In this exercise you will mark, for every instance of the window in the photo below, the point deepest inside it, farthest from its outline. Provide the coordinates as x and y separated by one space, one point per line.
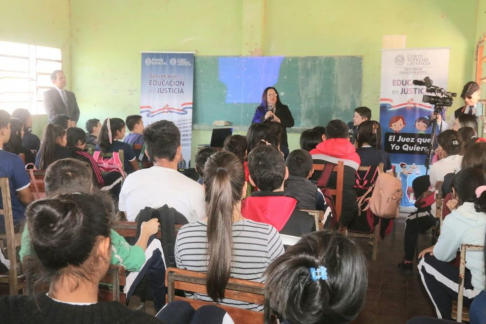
25 75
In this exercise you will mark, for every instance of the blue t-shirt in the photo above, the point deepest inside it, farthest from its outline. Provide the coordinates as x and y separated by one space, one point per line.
134 138
128 153
12 167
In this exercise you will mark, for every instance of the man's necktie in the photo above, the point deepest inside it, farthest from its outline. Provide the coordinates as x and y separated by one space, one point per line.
64 97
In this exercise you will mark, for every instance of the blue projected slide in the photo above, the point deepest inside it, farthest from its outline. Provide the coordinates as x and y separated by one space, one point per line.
246 77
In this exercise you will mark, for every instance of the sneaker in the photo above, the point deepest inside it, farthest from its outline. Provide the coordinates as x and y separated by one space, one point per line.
406 268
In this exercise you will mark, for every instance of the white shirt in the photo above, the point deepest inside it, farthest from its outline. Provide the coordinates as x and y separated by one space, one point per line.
158 186
451 164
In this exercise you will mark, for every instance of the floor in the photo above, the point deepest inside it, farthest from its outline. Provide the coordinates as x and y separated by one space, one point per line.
393 297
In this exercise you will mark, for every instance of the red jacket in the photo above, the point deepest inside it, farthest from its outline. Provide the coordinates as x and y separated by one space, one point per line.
335 149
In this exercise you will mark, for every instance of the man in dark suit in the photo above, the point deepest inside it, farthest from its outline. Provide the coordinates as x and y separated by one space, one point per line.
58 101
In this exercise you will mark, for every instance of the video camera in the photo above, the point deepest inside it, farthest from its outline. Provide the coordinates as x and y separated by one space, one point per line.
438 97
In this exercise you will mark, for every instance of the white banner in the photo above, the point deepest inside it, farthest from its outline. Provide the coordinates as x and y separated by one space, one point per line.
167 93
404 117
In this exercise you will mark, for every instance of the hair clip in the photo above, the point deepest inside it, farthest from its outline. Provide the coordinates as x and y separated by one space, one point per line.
320 273
479 140
454 142
480 190
220 169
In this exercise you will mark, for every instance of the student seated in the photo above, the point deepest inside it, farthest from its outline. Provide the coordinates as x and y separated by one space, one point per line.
270 204
76 141
338 148
93 127
30 141
465 225
225 244
112 132
135 126
12 167
464 120
309 139
70 235
53 147
162 184
15 145
298 185
468 138
368 144
62 120
321 279
201 158
69 175
450 160
256 132
361 114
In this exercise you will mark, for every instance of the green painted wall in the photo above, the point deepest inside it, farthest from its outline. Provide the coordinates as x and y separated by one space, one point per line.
108 36
102 40
45 23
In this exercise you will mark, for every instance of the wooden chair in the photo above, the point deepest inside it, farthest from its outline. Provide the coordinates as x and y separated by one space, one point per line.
129 229
375 235
14 280
438 212
318 217
336 193
143 159
237 289
37 185
459 314
111 285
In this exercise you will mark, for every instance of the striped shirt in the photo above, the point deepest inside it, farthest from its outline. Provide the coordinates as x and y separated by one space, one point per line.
255 246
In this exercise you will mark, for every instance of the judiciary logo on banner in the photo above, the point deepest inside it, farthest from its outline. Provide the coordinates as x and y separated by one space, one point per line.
406 121
167 93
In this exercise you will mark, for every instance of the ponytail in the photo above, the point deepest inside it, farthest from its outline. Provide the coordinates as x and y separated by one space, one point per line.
48 146
109 131
224 179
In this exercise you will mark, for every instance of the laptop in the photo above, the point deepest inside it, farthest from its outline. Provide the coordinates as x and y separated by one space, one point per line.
219 135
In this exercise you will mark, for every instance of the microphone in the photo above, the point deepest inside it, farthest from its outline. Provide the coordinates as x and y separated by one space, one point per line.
272 109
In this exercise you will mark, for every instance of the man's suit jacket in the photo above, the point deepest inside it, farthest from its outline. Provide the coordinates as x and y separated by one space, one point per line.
55 106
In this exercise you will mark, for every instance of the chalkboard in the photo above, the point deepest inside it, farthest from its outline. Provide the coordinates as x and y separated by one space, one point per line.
316 89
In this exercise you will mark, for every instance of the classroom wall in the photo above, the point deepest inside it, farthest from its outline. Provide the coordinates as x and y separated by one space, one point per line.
45 23
108 36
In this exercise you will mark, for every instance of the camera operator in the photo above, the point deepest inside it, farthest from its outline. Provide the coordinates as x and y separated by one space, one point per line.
471 94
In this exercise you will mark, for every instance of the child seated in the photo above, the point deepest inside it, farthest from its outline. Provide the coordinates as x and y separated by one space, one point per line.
298 185
337 147
321 279
30 141
93 127
112 132
270 204
71 236
136 127
70 175
201 158
12 167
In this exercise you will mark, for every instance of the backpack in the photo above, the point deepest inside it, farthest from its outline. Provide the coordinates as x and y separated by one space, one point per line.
109 165
386 197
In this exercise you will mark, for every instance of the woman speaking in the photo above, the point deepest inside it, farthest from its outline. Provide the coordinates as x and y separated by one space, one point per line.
271 109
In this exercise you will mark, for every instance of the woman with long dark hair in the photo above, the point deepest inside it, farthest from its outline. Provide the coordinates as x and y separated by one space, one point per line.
225 244
111 140
15 145
272 109
53 147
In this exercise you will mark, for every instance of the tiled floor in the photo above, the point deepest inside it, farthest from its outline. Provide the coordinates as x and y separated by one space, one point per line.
392 297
